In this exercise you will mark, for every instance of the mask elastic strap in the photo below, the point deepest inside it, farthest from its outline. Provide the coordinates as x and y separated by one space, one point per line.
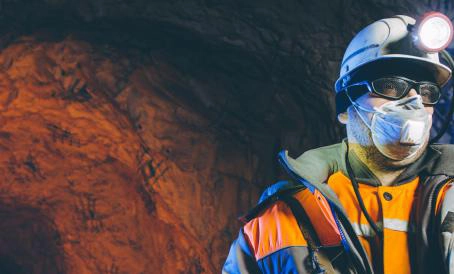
357 106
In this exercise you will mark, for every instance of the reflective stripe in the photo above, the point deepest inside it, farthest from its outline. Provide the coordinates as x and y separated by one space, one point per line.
396 224
364 229
393 224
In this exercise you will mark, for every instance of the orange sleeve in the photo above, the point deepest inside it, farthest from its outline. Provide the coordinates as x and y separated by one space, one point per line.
276 228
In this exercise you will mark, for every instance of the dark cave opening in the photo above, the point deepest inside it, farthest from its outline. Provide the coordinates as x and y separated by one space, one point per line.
29 242
9 266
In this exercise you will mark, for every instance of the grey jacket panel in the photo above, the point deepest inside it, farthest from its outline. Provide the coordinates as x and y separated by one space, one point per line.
447 230
424 244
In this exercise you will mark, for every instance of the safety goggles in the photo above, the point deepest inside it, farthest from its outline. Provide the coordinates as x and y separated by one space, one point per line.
396 87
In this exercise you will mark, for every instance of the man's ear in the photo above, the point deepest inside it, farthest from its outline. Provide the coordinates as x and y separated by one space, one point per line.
343 117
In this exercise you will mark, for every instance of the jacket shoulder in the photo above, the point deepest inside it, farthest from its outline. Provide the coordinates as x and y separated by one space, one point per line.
274 229
316 165
277 227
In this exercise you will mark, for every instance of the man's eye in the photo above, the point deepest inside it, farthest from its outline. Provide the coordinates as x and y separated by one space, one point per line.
389 86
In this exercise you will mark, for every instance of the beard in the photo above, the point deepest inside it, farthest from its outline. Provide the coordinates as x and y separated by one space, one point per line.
360 141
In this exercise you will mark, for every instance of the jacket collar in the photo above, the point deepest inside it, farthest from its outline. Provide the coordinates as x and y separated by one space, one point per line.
315 166
422 164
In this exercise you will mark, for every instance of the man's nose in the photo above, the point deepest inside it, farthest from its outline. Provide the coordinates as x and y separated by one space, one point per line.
412 92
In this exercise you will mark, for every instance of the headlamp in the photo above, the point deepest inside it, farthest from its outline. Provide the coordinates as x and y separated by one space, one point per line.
434 32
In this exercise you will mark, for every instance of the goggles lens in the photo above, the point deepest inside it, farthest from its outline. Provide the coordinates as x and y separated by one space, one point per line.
398 87
429 93
390 87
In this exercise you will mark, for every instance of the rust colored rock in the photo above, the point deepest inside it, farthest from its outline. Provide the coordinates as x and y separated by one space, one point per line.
82 182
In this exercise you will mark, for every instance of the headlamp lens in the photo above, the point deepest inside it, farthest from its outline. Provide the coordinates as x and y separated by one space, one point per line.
435 32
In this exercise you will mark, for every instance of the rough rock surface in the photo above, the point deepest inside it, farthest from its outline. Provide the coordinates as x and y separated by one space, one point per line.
133 133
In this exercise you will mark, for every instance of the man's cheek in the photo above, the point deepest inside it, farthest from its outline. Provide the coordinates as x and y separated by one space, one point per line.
429 110
430 121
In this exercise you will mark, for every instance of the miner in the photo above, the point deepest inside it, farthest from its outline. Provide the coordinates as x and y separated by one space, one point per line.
380 201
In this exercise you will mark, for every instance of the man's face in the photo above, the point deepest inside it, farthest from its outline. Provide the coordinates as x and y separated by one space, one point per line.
359 134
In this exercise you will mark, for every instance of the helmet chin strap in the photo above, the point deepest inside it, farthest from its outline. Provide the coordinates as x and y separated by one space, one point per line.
358 108
378 231
351 174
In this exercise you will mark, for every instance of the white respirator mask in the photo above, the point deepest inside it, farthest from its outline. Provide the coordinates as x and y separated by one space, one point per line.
399 128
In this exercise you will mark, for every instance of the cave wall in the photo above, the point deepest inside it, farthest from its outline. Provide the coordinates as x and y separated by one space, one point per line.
132 134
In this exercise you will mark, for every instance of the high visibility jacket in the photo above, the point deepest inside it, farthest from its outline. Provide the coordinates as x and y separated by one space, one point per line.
314 224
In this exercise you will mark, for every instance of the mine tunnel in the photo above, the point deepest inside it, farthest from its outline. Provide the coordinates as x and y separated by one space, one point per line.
30 242
134 133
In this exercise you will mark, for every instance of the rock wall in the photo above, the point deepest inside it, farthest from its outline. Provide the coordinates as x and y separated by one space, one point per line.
132 134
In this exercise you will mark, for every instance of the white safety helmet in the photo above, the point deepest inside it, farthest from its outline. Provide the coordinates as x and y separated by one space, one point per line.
392 42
